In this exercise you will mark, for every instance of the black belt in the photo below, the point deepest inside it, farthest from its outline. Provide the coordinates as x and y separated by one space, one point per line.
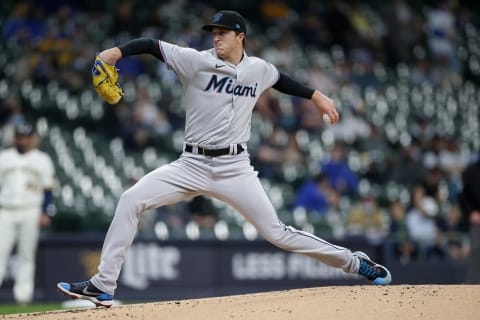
214 152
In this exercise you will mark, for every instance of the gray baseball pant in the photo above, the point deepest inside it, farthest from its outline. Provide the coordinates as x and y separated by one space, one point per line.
228 178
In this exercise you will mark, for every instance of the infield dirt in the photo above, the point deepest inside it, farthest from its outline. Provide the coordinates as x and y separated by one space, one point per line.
346 302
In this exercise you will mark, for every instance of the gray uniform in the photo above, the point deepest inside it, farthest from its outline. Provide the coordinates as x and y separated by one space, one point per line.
220 98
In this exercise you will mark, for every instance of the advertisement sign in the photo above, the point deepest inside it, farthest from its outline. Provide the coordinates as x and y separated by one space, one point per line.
165 270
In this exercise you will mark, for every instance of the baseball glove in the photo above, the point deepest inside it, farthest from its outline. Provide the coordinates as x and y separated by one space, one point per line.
105 81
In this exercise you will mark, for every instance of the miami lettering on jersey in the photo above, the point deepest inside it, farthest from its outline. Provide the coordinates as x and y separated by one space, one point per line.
225 84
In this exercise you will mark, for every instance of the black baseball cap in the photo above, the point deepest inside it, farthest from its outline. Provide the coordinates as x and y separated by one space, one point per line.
229 20
23 130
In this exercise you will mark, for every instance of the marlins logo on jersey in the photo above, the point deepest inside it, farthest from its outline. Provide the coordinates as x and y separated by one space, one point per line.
227 84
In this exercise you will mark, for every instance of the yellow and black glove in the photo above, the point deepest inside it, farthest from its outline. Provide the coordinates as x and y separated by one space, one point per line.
105 81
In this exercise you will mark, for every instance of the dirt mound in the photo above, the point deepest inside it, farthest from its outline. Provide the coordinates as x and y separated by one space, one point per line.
346 302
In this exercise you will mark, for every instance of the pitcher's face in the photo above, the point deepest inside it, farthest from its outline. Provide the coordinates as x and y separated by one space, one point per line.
226 42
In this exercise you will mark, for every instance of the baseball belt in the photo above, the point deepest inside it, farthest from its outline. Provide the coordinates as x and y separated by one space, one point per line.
214 152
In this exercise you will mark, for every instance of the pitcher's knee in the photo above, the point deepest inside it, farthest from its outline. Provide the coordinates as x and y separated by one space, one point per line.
127 196
131 199
278 236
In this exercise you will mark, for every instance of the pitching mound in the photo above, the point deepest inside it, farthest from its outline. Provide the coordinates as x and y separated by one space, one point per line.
349 302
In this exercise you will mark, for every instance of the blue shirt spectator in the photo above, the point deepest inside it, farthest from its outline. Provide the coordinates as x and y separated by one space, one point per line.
312 195
22 26
339 174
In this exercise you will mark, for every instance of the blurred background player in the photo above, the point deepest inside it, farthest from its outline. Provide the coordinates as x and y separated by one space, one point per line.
26 182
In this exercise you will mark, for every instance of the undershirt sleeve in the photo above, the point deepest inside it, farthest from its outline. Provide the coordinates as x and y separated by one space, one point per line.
287 85
141 46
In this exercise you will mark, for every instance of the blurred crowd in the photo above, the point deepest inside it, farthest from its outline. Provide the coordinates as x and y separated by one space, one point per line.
390 171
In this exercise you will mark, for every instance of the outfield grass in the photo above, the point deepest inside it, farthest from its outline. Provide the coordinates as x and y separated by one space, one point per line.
10 308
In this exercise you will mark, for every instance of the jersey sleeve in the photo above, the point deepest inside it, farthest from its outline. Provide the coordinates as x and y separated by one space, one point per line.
271 75
48 173
183 61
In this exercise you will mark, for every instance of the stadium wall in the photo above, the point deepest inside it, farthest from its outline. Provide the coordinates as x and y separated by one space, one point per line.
168 270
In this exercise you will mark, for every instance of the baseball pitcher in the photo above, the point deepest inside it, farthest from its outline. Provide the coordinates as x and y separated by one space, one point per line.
221 86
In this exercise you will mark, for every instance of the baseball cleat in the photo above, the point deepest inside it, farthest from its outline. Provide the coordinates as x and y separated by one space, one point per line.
373 271
87 291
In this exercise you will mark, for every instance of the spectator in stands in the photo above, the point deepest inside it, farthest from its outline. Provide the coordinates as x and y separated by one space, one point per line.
309 120
23 25
443 75
404 30
279 110
403 247
444 155
131 67
338 172
469 200
204 214
422 226
352 128
175 218
337 213
268 106
442 35
189 37
133 133
314 31
375 149
338 23
12 115
321 74
452 160
362 69
312 195
422 130
254 45
274 12
432 152
282 52
421 69
277 149
142 122
433 180
407 159
370 31
151 117
454 233
124 20
368 219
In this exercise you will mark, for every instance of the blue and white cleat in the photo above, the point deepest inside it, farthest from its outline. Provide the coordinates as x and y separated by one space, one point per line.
373 271
87 291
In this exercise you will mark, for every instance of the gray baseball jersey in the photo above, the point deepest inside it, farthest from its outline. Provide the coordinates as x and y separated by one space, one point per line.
220 98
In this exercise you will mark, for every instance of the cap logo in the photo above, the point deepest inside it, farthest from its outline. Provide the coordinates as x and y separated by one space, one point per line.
217 17
237 26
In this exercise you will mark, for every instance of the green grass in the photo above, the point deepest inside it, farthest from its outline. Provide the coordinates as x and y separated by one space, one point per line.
10 308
